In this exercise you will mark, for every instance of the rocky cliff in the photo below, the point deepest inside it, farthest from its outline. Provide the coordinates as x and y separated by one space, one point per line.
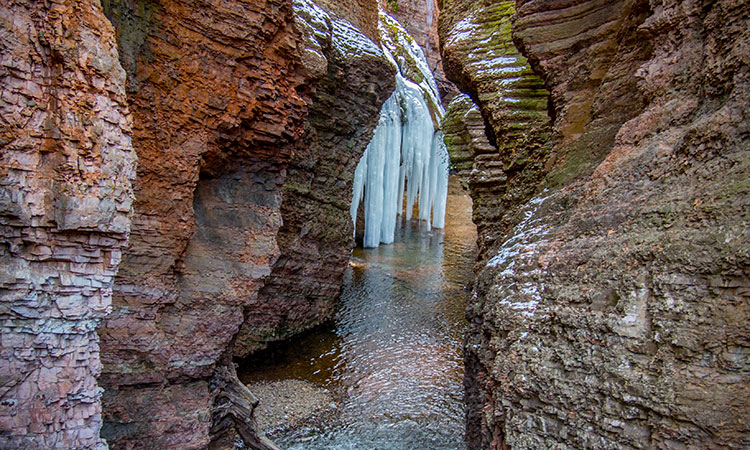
248 119
235 239
316 237
612 311
213 89
66 172
420 18
509 140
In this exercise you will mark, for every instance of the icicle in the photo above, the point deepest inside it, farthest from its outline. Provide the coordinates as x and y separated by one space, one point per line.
374 186
390 179
359 188
405 152
441 192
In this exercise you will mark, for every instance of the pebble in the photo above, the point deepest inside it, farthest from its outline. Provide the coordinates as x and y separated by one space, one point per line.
286 402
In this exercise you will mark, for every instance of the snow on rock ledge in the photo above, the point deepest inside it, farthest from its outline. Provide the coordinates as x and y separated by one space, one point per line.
407 151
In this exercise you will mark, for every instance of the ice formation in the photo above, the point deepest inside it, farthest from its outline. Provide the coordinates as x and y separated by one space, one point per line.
406 152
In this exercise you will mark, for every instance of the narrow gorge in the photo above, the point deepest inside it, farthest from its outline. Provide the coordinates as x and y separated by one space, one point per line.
189 190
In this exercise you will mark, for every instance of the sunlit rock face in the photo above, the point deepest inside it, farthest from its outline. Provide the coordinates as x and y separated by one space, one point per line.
611 312
66 172
407 152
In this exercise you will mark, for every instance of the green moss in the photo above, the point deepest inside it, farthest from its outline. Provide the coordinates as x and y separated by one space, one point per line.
735 188
581 157
410 69
295 187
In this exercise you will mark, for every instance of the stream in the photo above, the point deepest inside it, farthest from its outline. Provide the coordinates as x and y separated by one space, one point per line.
392 359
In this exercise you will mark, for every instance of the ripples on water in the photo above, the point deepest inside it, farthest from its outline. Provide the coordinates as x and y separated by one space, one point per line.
393 356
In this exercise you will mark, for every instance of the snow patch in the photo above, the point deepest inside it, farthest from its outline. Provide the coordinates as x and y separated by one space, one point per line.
462 30
346 40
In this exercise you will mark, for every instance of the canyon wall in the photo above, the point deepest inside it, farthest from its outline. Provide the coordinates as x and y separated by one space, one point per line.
214 89
316 237
465 138
236 240
508 105
248 119
66 172
420 18
612 311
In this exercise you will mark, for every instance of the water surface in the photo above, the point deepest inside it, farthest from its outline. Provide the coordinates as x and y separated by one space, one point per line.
393 355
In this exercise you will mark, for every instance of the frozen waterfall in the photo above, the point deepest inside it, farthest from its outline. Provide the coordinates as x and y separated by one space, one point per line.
406 153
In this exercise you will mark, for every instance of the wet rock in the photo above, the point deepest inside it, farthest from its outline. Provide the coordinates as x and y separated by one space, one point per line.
218 102
316 236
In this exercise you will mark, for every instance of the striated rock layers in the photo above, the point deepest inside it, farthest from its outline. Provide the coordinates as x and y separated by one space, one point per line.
316 237
420 18
228 126
464 134
481 57
612 313
66 173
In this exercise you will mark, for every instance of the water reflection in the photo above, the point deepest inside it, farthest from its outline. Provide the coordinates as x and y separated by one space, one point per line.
392 357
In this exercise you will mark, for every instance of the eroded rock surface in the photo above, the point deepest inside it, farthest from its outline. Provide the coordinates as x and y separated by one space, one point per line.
479 55
66 173
612 312
218 102
228 127
316 237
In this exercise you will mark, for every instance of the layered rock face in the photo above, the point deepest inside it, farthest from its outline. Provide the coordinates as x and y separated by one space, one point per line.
228 126
465 138
613 312
214 91
66 173
316 237
479 55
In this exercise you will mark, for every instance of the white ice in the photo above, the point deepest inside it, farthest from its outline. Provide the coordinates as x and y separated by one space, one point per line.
406 152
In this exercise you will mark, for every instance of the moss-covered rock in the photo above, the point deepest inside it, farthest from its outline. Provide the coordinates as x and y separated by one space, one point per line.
480 56
610 310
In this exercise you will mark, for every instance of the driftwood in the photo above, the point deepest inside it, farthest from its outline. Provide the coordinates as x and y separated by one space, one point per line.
233 412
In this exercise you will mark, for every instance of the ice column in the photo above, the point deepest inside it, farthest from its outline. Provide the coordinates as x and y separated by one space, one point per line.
406 153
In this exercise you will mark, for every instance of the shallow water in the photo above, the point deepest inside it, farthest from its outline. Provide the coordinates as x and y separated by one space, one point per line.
392 357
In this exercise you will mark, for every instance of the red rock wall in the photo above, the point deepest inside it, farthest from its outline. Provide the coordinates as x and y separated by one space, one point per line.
218 101
612 312
316 237
66 170
231 144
